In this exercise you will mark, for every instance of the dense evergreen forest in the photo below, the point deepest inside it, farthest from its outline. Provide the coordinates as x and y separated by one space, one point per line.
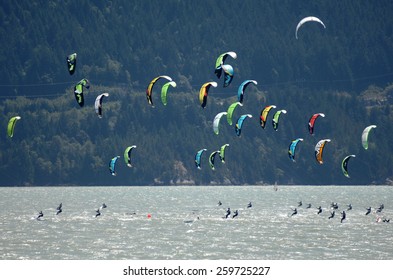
344 71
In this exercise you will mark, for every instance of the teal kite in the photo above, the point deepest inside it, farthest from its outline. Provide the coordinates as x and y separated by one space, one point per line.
292 148
112 164
198 156
239 123
242 88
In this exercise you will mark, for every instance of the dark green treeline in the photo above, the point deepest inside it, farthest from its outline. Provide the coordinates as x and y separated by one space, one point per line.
57 143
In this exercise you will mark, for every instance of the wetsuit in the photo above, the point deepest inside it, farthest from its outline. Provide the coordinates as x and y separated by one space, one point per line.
40 214
59 210
343 216
228 213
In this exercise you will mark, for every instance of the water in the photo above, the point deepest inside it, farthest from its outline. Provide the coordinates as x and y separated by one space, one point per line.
265 231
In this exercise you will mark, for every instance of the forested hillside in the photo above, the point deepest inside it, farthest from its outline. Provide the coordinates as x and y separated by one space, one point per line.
344 71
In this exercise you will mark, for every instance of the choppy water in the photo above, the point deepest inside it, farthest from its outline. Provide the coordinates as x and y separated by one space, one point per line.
265 231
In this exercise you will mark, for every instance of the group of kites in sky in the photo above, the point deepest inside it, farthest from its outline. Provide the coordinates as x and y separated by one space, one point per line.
227 70
228 73
78 92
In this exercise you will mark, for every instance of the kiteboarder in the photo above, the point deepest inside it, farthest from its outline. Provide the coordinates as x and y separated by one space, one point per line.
228 213
59 210
40 214
319 210
219 203
249 205
103 206
98 213
368 210
236 213
309 205
379 210
343 216
294 212
331 214
334 205
349 207
300 204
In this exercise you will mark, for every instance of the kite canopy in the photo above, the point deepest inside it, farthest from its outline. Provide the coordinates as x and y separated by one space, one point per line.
365 134
204 91
98 103
216 122
222 152
344 165
11 125
211 159
292 148
228 74
239 123
308 19
149 90
319 150
230 111
264 114
78 91
71 63
221 60
242 88
112 165
276 117
312 120
198 156
164 91
127 155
